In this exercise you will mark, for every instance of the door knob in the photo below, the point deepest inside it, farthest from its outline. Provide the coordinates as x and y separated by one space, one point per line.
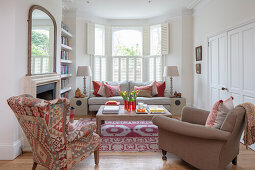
223 88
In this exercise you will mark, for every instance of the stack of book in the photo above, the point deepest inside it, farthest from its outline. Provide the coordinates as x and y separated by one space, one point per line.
156 109
111 109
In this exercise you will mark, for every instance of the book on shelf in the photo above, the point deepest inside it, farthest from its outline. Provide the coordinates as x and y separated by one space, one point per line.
111 109
64 40
64 83
156 109
65 95
64 26
65 55
65 69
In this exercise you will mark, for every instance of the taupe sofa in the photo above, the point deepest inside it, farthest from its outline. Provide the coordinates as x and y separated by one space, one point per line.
95 102
203 147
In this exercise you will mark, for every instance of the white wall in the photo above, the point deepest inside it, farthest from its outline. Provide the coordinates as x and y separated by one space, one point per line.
13 45
215 17
181 40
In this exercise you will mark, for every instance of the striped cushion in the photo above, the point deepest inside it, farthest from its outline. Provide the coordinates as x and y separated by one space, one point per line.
144 91
219 113
111 91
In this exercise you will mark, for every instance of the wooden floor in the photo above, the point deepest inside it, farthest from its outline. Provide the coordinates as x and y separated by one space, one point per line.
131 161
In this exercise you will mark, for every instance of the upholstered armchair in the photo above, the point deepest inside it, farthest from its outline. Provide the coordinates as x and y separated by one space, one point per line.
55 143
203 147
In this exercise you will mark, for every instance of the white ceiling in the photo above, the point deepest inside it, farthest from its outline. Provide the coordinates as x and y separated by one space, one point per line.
128 9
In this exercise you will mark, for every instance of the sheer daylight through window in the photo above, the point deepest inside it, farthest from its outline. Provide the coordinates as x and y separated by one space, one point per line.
127 54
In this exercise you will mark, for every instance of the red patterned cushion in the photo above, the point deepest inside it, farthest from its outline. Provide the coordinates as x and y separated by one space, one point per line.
96 86
144 91
111 90
161 88
219 113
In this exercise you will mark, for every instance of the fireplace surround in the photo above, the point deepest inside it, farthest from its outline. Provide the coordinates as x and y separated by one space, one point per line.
37 84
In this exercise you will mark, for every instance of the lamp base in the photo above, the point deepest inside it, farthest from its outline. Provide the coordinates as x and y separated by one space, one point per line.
171 86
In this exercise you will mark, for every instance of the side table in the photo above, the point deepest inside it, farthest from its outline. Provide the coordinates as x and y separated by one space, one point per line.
176 105
80 105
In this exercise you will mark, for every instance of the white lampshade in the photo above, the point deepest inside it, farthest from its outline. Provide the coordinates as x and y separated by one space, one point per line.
170 71
84 71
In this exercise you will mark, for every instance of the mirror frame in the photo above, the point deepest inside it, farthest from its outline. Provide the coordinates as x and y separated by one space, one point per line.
32 8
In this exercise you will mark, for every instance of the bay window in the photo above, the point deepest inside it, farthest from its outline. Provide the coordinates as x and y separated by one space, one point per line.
127 54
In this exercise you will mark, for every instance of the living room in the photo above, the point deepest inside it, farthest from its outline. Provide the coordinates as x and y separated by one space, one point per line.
174 55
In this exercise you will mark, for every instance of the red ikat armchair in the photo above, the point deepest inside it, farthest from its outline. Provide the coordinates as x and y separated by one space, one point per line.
55 143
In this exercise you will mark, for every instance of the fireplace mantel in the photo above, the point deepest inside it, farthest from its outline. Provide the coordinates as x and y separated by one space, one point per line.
31 82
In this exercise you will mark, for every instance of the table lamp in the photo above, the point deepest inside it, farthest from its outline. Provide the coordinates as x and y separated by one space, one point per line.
84 71
171 71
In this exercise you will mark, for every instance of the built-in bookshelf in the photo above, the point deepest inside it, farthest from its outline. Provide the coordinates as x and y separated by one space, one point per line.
65 61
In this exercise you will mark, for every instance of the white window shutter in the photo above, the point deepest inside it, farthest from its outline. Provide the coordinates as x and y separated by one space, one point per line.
90 38
146 41
108 40
165 38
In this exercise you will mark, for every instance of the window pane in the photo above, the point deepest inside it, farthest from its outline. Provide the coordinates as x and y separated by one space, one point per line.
151 65
155 38
115 69
131 69
127 42
97 69
99 40
139 68
123 69
159 68
103 69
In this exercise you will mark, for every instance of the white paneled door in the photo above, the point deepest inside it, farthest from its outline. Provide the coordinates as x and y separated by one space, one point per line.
241 56
231 65
218 74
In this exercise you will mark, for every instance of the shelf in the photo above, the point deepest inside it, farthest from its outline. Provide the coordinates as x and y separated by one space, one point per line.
66 75
65 47
66 61
65 90
65 33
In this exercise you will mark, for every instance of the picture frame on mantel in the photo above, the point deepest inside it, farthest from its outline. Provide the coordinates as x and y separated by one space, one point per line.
199 53
198 68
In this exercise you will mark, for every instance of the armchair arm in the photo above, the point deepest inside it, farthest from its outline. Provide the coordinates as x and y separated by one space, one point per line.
194 116
188 129
80 129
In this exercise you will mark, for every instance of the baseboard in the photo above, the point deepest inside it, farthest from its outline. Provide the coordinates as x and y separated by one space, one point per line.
10 151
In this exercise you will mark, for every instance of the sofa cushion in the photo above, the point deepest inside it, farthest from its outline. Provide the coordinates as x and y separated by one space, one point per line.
144 91
124 86
146 100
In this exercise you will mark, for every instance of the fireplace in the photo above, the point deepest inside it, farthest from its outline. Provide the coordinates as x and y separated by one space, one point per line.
46 92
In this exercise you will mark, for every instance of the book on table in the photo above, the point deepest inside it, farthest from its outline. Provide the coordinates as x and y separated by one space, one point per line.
111 109
156 109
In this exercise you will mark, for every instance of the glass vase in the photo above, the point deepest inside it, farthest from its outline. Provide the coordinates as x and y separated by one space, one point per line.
125 105
133 105
129 106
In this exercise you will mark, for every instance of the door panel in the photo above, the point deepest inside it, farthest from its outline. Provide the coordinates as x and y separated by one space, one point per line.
214 61
234 51
218 67
241 54
248 60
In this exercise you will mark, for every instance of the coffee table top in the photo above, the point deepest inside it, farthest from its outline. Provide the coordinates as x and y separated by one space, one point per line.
125 113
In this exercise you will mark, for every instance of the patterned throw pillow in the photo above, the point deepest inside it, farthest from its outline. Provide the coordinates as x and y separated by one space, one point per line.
219 113
111 91
161 88
154 89
144 91
101 90
96 86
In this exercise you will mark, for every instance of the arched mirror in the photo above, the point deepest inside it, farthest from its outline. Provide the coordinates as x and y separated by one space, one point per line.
42 37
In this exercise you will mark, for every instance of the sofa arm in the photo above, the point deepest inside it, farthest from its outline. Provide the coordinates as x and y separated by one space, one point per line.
194 116
188 129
